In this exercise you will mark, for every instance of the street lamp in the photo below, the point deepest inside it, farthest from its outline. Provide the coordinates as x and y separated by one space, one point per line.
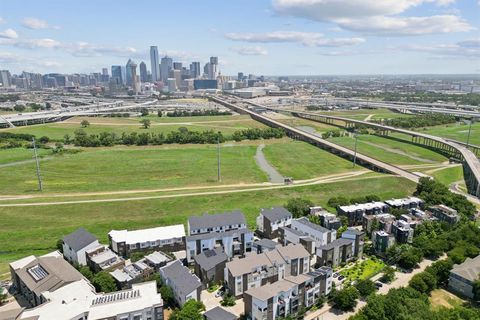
355 135
469 131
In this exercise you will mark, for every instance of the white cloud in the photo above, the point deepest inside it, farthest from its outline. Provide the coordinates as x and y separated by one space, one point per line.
250 51
85 49
373 16
469 49
310 39
2 20
37 43
398 26
8 34
35 24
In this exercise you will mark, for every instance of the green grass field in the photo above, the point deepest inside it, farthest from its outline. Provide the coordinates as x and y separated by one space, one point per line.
20 154
399 152
364 269
362 114
226 124
300 160
449 175
457 131
299 122
440 298
35 229
124 168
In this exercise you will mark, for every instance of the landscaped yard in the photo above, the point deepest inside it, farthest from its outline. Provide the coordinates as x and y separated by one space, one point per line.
441 298
363 269
35 229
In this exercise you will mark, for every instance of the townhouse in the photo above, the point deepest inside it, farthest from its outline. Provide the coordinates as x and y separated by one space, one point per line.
463 276
222 222
355 212
102 258
76 244
169 239
184 284
210 266
444 213
270 220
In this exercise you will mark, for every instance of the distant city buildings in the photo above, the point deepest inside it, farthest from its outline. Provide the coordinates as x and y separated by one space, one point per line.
154 64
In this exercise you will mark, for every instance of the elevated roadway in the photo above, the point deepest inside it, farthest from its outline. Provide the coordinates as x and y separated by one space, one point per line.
321 143
454 149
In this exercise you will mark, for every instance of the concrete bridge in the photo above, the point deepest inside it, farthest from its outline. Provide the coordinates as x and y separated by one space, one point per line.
454 149
294 133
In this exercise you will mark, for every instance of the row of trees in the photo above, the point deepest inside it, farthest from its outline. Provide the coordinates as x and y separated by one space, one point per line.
419 121
333 134
181 136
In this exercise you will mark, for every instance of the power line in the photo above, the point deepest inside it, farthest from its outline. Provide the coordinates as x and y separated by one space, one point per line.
40 186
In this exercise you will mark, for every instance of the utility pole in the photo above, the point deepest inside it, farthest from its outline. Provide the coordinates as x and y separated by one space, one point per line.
219 178
40 186
355 134
469 131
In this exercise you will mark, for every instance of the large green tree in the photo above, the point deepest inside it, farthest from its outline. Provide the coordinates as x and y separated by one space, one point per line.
104 282
191 310
299 207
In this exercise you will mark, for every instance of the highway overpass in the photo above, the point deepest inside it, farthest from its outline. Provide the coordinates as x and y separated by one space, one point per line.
24 119
454 149
361 159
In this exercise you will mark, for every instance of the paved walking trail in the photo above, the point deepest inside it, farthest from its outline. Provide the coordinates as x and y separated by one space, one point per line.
273 175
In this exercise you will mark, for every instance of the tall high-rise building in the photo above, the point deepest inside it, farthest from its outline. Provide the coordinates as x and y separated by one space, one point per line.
117 74
131 72
154 63
177 66
195 69
5 78
143 72
104 71
165 66
177 75
212 69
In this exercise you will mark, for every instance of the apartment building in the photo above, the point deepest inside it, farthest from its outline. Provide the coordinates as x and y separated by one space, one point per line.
169 239
402 231
335 253
355 212
132 273
270 220
235 242
102 258
462 277
222 222
288 296
255 270
33 276
210 266
382 241
444 213
78 300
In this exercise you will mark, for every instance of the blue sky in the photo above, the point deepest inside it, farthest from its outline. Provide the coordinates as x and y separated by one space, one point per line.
269 37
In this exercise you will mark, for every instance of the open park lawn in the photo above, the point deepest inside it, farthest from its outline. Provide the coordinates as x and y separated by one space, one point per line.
457 131
57 130
35 229
395 150
300 160
125 168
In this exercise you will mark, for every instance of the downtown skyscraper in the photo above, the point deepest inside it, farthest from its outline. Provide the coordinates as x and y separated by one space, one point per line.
155 63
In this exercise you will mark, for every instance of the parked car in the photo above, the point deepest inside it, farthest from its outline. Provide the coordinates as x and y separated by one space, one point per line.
378 284
341 278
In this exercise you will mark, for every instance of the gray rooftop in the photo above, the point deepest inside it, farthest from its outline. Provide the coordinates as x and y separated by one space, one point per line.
276 213
469 269
219 313
79 239
336 243
312 225
216 220
266 243
184 280
47 273
209 259
204 236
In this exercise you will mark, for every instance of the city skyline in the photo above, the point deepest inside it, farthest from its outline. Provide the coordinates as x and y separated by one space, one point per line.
275 37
